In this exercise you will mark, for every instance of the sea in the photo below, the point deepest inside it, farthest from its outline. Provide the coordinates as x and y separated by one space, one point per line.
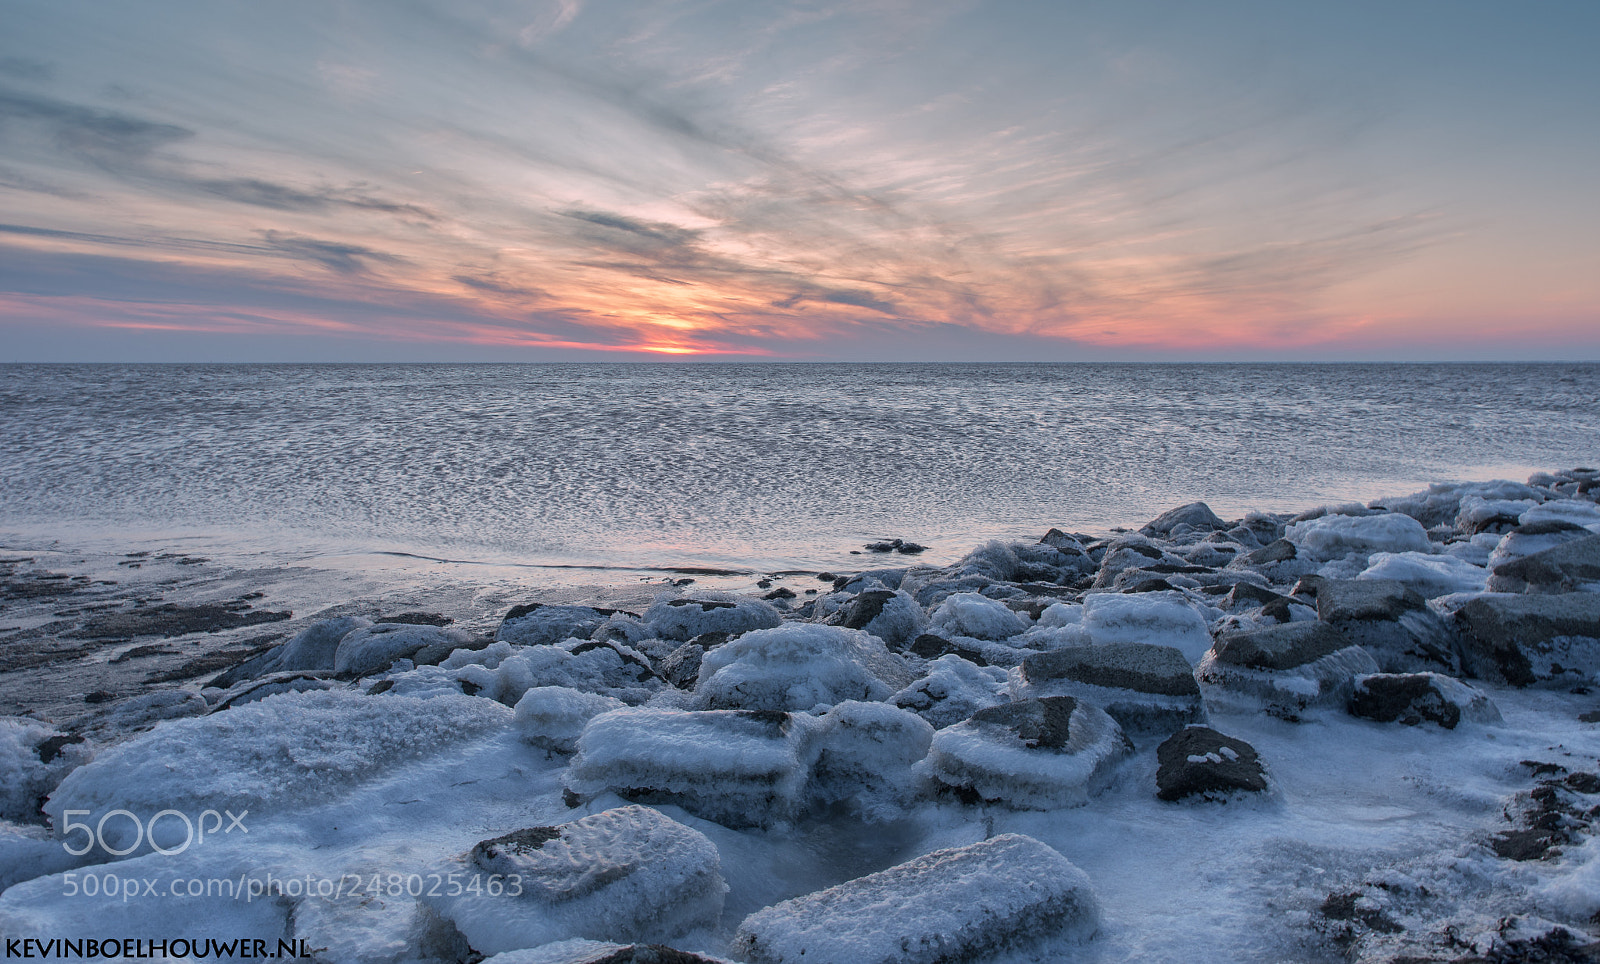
737 467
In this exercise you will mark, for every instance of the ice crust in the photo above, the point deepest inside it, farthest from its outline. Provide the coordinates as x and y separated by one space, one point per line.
798 667
1161 618
1333 536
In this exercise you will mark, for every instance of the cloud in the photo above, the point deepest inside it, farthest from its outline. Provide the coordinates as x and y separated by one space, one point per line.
338 257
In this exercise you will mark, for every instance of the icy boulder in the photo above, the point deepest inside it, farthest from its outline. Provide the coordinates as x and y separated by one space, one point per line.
316 647
686 617
1197 516
1570 567
953 690
865 752
737 767
553 717
1478 514
1132 551
978 616
1031 754
1158 618
1334 536
965 903
1429 575
1146 689
1526 540
371 650
541 624
504 673
1391 621
271 755
798 667
1283 669
1413 698
1574 511
626 873
1200 761
1528 640
893 617
34 758
271 684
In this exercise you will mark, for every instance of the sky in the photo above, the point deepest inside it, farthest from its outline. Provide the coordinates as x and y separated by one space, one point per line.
874 180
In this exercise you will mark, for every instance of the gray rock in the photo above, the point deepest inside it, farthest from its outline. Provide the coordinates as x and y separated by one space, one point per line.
373 649
1391 621
541 624
1413 698
1529 639
1147 689
1199 760
1568 567
1030 754
893 617
682 667
1279 647
933 646
1284 669
1195 515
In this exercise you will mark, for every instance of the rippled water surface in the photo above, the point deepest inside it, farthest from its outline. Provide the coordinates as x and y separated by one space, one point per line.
761 466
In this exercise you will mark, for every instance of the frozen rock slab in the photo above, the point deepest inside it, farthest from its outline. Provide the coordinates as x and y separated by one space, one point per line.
553 717
1333 536
1414 698
1195 515
1532 639
953 689
1199 760
737 767
865 754
1284 669
601 952
1162 618
628 873
686 617
1036 754
372 649
541 624
1147 689
975 615
1570 567
949 905
1390 620
271 684
797 667
892 616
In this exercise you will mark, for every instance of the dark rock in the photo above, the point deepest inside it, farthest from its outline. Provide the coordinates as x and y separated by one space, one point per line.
681 667
1343 907
99 696
1280 550
864 608
933 646
1561 569
1279 647
1246 595
545 624
437 653
1199 760
1307 587
1413 698
1592 716
1533 638
1038 723
381 686
1581 782
1195 515
171 619
644 954
417 619
1392 622
1278 610
50 747
826 576
782 592
490 854
1348 599
1132 666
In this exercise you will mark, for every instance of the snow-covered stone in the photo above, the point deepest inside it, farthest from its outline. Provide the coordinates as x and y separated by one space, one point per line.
738 767
1430 575
1526 540
541 624
865 753
34 758
1532 639
1199 760
1333 536
553 717
1413 698
372 650
1195 515
1392 622
28 851
316 647
503 672
1031 754
628 873
1574 511
952 690
1158 618
1283 669
685 617
977 616
1572 566
892 616
1478 514
1147 689
797 667
271 684
960 904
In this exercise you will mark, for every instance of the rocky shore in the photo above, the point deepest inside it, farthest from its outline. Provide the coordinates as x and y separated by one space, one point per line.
1364 732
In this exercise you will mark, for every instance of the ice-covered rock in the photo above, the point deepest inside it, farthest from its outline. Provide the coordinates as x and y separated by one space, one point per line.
972 614
144 711
1572 566
892 616
1539 639
1525 540
1413 698
1478 514
1279 562
27 852
1195 515
685 617
34 758
1159 618
1030 754
371 650
960 904
553 717
1392 622
1132 551
1147 689
541 624
1199 760
1573 511
316 647
738 767
1441 502
865 752
952 690
580 951
1333 536
280 752
797 667
504 673
1283 669
628 873
271 684
1430 575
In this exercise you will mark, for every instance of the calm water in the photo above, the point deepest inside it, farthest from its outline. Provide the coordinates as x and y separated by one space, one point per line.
762 466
